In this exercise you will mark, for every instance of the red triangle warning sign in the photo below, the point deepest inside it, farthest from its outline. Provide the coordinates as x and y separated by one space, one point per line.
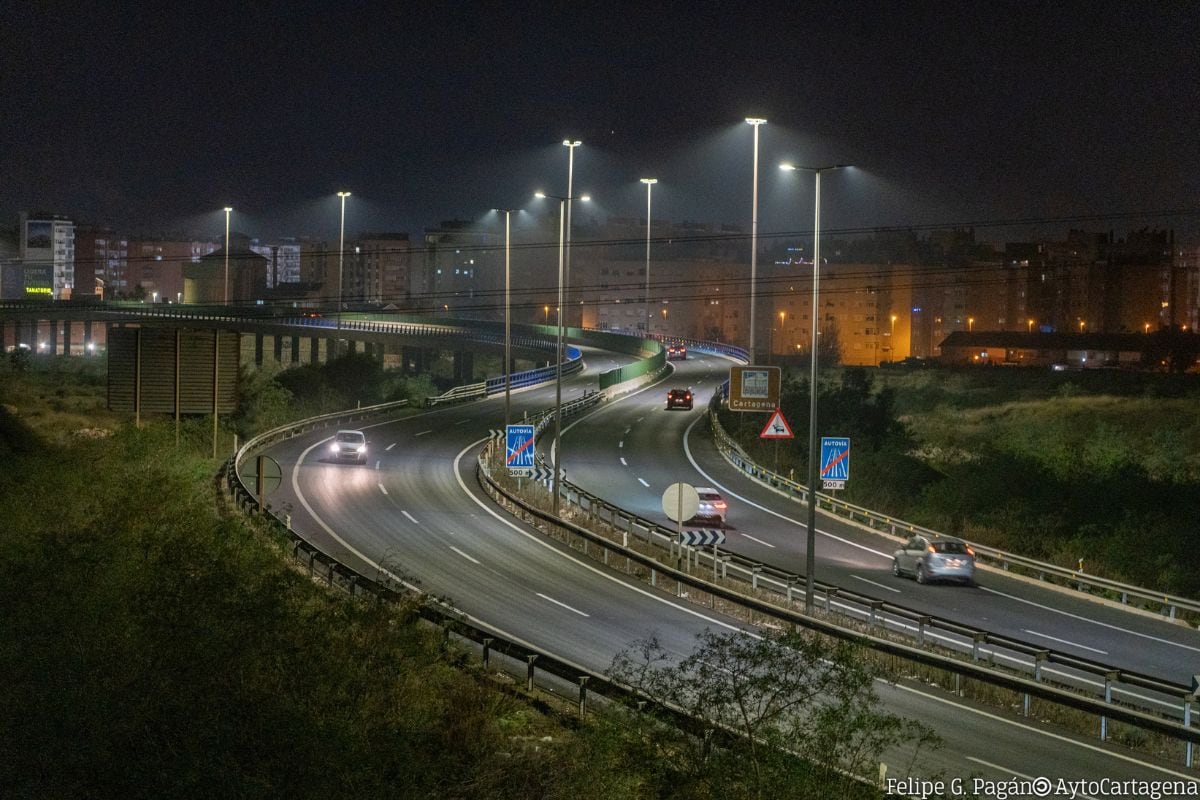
776 428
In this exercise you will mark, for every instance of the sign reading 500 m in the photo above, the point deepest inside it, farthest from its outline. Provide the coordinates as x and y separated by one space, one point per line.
753 388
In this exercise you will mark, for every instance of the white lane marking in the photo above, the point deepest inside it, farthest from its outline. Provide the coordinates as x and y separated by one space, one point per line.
411 518
621 444
581 564
687 450
760 541
639 419
377 465
873 583
1064 641
564 605
464 555
390 446
462 422
623 463
382 489
422 433
716 484
1093 621
642 481
1041 732
626 431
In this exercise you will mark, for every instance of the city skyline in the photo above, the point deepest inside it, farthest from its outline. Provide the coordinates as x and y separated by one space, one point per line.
436 114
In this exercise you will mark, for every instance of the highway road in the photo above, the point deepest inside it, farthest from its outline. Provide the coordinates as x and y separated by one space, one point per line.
636 448
416 510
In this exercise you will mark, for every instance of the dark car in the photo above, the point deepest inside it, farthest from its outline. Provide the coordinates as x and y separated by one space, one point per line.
679 398
350 446
676 352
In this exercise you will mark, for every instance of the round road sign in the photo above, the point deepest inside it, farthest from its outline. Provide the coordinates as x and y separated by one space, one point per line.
680 502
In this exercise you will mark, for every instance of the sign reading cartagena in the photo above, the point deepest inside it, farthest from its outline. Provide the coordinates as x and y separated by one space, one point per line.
753 388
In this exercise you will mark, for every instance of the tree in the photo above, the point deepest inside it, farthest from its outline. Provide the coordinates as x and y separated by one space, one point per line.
20 359
801 708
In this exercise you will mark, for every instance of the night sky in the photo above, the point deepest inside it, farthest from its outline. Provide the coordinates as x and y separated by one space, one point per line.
153 118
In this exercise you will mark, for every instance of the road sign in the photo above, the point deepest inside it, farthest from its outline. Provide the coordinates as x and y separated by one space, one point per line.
680 502
519 449
753 388
545 474
776 427
702 537
835 462
1196 686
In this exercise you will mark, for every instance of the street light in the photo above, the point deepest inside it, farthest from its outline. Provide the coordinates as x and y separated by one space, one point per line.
755 122
1081 324
570 195
970 324
341 255
228 209
563 205
649 188
1029 323
892 343
810 556
507 321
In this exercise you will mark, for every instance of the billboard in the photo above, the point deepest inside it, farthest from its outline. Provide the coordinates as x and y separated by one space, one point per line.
753 388
39 235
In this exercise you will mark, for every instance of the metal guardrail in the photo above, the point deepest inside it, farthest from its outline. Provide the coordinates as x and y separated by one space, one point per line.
883 523
925 628
919 653
354 581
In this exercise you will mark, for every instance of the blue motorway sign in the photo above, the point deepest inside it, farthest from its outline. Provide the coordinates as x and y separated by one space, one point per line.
835 461
519 448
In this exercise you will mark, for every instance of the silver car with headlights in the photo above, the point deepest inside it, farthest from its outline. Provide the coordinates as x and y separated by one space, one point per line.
349 446
929 558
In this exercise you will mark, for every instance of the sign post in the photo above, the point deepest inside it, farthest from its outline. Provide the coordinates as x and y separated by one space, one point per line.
753 388
776 428
835 462
679 502
519 450
267 477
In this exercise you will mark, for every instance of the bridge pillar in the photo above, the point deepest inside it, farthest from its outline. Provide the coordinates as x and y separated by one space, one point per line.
66 337
464 366
87 336
277 341
3 336
331 349
53 349
295 349
314 350
258 350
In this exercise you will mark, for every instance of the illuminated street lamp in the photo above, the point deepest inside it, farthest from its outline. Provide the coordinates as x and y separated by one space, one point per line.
563 204
570 144
649 188
1081 324
1146 327
507 320
228 209
970 324
756 123
810 556
1030 324
341 254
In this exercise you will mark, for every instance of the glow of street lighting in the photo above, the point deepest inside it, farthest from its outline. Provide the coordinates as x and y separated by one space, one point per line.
756 120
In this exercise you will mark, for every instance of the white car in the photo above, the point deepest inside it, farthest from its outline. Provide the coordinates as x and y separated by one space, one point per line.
712 506
350 446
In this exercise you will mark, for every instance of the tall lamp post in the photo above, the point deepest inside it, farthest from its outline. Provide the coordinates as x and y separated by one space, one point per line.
341 255
228 210
507 320
756 122
810 560
570 144
563 204
649 188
